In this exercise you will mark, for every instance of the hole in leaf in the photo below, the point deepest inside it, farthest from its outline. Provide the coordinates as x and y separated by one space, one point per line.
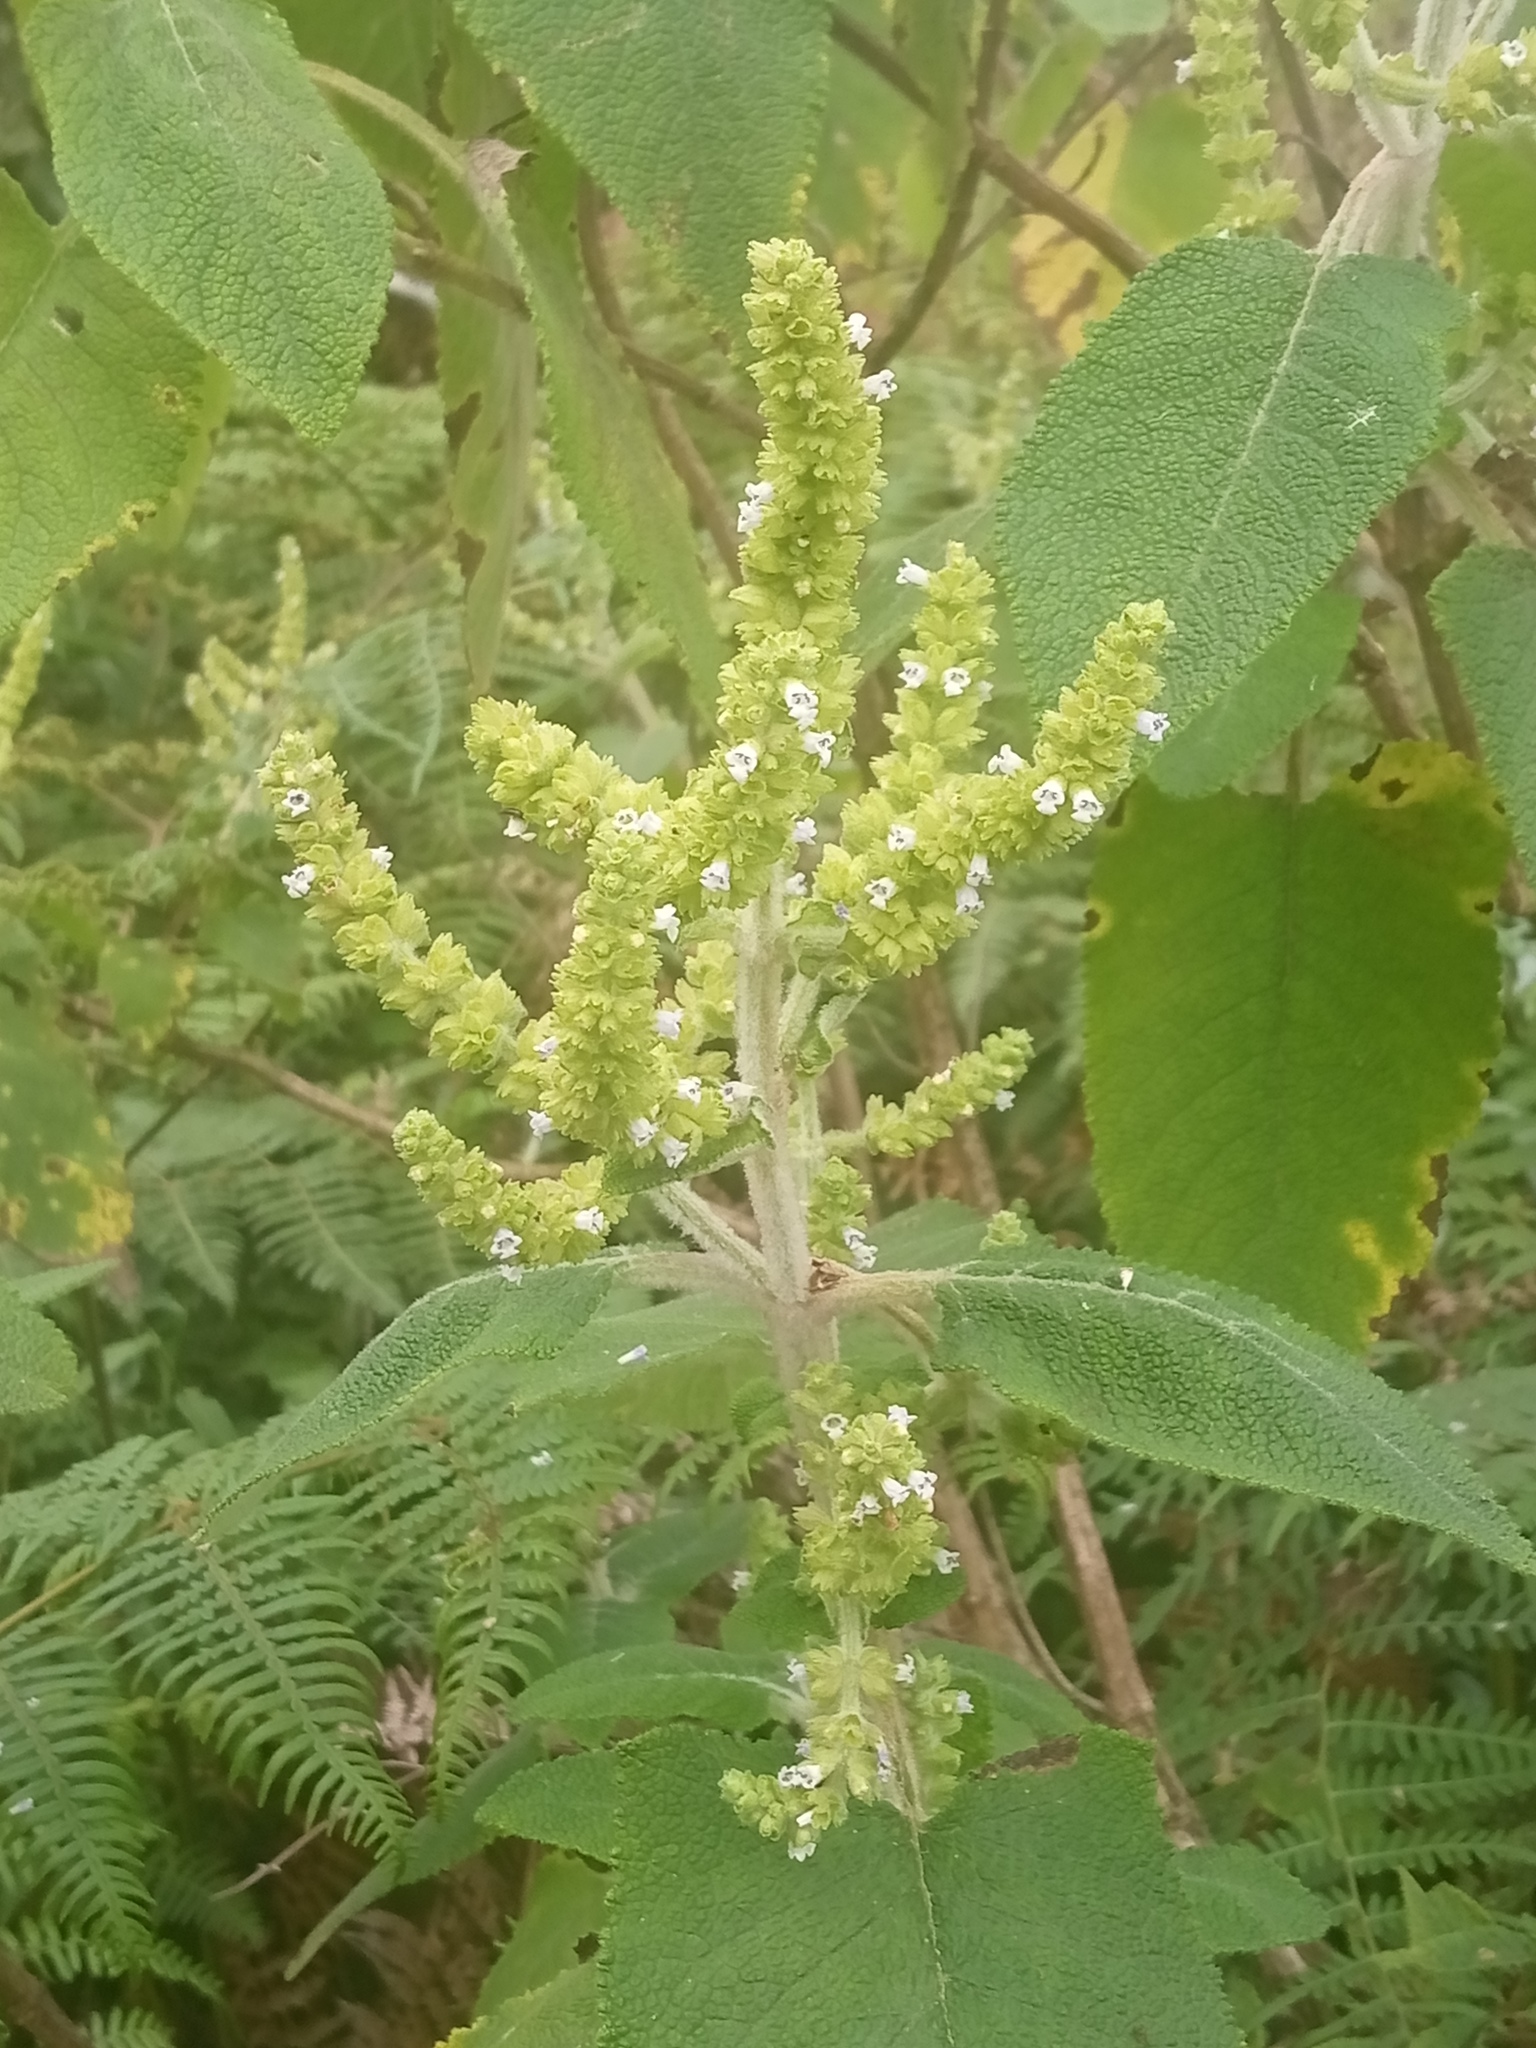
1393 789
1092 919
68 320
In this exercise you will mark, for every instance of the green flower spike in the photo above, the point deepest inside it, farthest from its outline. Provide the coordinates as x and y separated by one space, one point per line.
1229 76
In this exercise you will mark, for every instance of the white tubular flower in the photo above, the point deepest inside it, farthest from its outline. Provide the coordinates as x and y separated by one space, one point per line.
901 838
592 1221
1183 70
547 1046
759 493
1005 761
803 832
664 919
956 681
801 1777
626 819
979 873
674 1151
946 1561
922 1484
880 892
737 1096
1004 1099
641 1132
749 517
913 674
802 703
881 386
1086 808
906 1671
860 333
381 857
902 1417
648 823
820 744
1127 1275
866 1505
801 1852
794 885
964 1704
515 828
1152 725
506 1244
1049 797
669 1024
967 899
860 1250
740 761
740 1579
795 1670
911 572
300 880
296 803
637 1354
834 1426
717 876
1512 54
539 1123
690 1089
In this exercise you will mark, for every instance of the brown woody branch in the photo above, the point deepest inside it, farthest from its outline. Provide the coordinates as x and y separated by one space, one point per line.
27 2002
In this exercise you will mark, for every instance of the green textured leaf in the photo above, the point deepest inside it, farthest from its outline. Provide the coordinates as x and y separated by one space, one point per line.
1266 1115
1197 1375
62 1188
457 1325
387 43
1291 679
1040 1906
604 442
199 157
100 396
601 1355
561 2014
569 1802
1243 1901
1026 1711
37 1365
1485 607
654 1681
1489 182
698 120
1219 444
564 1908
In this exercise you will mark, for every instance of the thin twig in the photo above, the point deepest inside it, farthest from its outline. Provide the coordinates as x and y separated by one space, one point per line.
1374 674
47 1597
1455 715
676 442
1019 1607
938 1043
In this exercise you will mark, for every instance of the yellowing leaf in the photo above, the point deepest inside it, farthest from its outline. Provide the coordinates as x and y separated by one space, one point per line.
62 1189
1061 279
1289 1010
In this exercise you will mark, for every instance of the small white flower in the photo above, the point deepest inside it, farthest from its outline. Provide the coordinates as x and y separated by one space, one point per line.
381 857
546 1046
922 1484
690 1089
806 1819
901 839
1005 761
20 1806
881 386
911 572
717 876
737 1096
902 1417
1152 725
1183 70
880 891
894 1491
626 819
964 1704
913 674
967 899
1127 1275
760 494
956 681
1049 797
300 880
515 828
1004 1099
801 1777
740 761
542 1459
865 1506
802 703
860 333
296 803
821 745
803 832
669 1023
648 824
637 1354
946 1561
794 885
860 1250
540 1123
979 873
801 1852
795 1670
740 1579
592 1221
749 517
906 1671
1512 54
674 1151
834 1426
641 1132
1086 808
664 919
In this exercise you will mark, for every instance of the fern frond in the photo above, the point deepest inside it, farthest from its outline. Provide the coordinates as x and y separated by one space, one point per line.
86 1513
491 1634
128 2026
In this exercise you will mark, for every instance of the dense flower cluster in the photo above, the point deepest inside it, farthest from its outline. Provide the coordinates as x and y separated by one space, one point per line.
976 1080
1228 73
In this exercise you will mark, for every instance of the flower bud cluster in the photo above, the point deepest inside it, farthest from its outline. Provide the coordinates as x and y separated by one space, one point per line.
869 1525
982 1079
515 1223
1490 82
1229 75
1324 29
836 1215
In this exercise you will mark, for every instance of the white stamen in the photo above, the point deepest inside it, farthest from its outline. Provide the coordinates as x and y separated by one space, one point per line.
626 819
748 516
795 1670
865 1506
922 1484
